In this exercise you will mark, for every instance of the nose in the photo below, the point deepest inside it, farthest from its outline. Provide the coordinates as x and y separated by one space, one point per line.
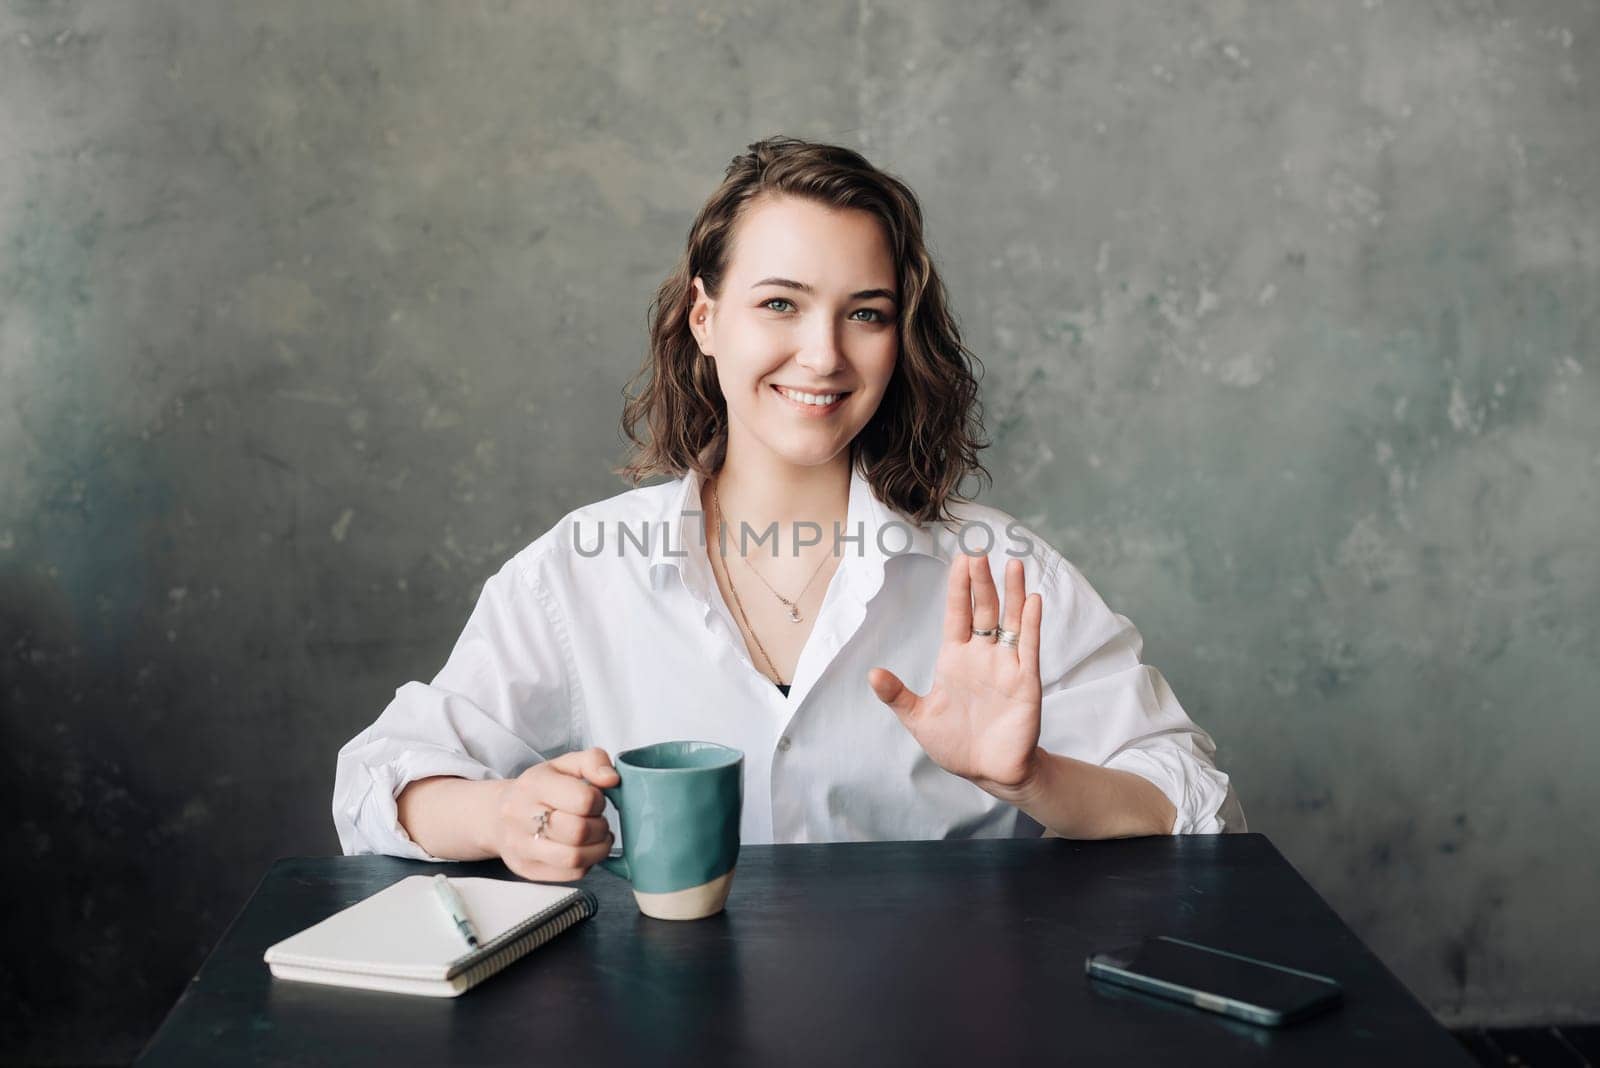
822 355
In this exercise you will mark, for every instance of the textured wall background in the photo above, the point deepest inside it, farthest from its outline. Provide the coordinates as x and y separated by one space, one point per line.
312 314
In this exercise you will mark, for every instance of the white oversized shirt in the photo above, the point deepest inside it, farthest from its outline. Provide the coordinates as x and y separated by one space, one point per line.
595 637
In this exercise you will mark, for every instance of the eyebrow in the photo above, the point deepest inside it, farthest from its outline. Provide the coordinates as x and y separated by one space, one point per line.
789 283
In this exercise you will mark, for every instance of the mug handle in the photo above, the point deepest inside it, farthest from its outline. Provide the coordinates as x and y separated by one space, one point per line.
617 865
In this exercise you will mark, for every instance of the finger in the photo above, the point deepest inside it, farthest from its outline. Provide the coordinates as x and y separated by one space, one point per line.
986 607
892 692
1016 590
1028 645
593 764
597 767
958 601
574 830
562 791
569 861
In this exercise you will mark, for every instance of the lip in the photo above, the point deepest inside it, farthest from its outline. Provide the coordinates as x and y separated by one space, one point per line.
815 411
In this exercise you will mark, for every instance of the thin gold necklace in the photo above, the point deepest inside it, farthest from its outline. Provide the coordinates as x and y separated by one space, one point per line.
794 605
740 604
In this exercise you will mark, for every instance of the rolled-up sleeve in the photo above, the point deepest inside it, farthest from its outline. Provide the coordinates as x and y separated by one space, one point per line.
502 702
1103 705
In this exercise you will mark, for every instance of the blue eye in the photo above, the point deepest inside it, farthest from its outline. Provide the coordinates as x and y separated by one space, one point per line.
774 300
881 318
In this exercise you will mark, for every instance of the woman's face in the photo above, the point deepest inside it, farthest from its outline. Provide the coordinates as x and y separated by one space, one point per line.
807 304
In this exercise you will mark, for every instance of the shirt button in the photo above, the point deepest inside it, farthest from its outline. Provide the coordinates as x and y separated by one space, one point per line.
783 744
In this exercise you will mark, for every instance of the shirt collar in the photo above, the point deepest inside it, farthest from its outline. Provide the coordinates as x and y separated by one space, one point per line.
681 545
884 534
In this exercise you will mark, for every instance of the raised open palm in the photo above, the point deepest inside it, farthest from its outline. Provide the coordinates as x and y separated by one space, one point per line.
980 719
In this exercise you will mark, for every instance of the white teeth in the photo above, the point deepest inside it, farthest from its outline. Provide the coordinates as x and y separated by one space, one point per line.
821 400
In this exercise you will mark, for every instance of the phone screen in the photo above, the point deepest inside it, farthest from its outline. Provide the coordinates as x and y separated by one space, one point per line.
1283 992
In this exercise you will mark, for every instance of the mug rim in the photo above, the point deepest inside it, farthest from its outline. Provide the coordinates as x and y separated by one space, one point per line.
737 756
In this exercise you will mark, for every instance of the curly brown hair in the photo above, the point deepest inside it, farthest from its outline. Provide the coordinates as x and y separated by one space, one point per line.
924 438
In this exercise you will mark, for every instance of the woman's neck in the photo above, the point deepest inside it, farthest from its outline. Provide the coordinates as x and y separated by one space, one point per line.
759 495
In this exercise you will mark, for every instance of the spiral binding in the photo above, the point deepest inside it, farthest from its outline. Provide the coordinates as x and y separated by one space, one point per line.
578 910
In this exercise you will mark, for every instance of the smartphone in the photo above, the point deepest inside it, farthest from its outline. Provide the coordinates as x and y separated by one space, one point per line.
1214 979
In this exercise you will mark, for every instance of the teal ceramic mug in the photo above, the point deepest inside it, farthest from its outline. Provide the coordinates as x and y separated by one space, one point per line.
679 804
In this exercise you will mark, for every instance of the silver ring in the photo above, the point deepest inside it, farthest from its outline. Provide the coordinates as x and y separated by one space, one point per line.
1008 637
544 822
987 633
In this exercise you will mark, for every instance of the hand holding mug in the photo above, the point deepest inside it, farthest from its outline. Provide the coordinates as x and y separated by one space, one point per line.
548 824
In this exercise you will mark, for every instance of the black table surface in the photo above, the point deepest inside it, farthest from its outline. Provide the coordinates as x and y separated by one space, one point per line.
925 953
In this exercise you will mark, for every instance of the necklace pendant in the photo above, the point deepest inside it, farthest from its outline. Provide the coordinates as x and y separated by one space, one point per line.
794 614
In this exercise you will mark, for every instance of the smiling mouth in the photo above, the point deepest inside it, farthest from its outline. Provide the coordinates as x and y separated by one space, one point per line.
818 402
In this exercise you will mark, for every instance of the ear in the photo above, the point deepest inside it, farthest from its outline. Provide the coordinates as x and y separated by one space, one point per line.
701 311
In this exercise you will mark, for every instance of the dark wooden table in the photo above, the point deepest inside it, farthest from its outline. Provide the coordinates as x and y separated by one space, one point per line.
916 953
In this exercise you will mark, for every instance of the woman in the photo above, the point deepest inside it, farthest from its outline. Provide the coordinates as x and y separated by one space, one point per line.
807 588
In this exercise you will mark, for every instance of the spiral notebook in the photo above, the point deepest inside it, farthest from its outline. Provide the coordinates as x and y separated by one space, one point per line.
401 940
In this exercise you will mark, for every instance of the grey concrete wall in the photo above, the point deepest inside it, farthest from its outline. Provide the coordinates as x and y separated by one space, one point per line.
311 314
